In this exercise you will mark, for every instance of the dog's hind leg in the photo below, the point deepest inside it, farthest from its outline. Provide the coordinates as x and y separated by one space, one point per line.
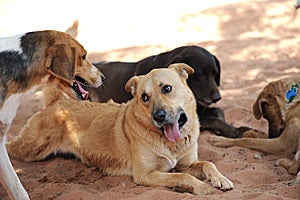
36 141
8 176
292 166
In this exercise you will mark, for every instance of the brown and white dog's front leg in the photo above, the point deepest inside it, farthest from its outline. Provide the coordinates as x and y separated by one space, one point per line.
182 181
8 176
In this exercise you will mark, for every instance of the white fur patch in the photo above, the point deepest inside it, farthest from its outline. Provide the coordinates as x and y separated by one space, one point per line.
11 43
10 107
94 73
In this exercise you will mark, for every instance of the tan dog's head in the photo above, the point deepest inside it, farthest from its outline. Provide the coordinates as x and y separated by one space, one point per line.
66 60
163 97
271 104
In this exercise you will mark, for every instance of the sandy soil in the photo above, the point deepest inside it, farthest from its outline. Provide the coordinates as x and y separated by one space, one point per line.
257 42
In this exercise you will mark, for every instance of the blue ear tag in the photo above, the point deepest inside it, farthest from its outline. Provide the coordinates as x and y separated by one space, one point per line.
290 95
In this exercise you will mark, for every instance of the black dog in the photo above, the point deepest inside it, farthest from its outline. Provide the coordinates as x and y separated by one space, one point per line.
204 83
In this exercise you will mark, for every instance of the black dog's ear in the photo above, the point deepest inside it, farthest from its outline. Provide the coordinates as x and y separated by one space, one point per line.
131 85
258 105
60 61
182 69
218 76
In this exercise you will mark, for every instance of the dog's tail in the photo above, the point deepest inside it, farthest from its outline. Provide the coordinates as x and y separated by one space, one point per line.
52 95
73 30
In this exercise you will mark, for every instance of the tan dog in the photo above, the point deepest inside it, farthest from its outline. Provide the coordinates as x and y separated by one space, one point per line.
279 103
28 62
153 134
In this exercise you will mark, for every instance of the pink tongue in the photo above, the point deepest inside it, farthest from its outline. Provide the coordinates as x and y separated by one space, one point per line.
171 131
84 93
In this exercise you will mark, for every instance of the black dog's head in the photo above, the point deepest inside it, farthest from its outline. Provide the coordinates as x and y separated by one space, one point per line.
206 79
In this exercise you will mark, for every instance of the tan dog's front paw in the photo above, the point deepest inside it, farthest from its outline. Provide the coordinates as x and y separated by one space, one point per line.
221 182
204 189
219 141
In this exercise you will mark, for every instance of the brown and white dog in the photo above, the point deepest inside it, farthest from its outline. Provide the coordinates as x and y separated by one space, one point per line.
153 137
27 62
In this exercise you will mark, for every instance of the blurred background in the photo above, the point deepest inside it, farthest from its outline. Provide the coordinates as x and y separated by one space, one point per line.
107 25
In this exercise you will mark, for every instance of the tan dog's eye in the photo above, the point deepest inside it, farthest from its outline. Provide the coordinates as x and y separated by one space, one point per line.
145 97
166 89
83 57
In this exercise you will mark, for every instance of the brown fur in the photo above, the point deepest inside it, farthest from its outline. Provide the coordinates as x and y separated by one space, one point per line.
282 117
125 139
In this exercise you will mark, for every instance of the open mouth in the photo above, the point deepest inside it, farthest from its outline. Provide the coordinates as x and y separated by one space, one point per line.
80 92
172 130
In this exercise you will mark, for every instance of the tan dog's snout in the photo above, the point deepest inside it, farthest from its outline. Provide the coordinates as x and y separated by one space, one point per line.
169 123
161 116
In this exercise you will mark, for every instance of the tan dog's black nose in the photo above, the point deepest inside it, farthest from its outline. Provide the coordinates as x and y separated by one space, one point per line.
159 116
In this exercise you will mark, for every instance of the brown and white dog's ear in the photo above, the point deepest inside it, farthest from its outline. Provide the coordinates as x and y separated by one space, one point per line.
131 85
73 30
257 106
60 61
182 69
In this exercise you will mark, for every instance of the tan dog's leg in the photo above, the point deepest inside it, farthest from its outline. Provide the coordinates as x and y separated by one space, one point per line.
207 170
272 146
8 176
188 179
181 181
292 166
285 144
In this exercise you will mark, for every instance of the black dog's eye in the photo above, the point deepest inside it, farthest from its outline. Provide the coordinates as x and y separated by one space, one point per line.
145 97
83 57
166 89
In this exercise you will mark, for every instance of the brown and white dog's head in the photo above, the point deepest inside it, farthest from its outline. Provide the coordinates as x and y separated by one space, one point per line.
273 105
66 60
163 98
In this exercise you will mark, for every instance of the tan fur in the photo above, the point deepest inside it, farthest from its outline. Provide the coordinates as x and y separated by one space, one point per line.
280 114
122 139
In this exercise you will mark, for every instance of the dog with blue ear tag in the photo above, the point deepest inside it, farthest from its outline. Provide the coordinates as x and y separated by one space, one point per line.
279 104
153 137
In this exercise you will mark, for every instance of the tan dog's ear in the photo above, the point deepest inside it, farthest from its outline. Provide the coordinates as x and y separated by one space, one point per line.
60 61
182 69
131 85
257 107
